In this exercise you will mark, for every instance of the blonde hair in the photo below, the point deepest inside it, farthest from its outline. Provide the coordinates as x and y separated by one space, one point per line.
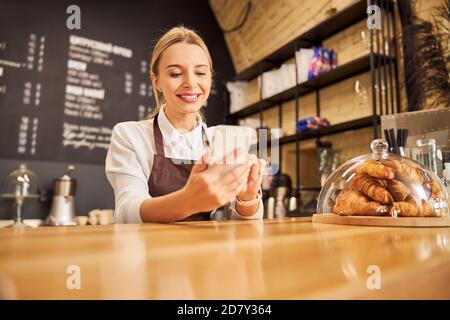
171 37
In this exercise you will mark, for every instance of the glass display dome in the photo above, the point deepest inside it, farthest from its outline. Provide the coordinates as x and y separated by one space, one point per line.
383 184
19 185
22 182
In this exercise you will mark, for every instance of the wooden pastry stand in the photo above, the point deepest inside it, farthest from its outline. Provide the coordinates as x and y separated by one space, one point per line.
291 258
382 221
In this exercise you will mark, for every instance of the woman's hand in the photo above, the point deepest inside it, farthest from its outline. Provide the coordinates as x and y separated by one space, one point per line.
210 187
254 179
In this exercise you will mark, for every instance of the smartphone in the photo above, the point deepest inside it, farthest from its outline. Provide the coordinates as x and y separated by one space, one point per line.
226 138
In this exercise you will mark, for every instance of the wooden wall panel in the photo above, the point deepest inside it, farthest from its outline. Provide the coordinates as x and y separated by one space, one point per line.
270 24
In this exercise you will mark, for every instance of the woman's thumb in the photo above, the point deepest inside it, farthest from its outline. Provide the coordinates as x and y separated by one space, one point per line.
203 164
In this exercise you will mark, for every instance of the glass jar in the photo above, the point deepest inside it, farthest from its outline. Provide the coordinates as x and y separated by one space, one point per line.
425 152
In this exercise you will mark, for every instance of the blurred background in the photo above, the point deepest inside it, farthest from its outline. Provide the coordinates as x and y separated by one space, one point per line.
325 77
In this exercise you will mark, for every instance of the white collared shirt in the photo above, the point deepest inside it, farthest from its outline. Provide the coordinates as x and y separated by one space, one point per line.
129 162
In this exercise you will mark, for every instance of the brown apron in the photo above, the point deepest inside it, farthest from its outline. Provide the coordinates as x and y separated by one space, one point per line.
168 174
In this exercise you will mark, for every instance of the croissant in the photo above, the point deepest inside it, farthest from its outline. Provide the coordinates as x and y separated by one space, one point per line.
429 210
433 207
404 171
375 169
383 182
433 189
413 208
398 190
405 209
370 187
350 202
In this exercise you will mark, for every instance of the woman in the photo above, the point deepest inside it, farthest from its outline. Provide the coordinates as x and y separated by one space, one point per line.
143 164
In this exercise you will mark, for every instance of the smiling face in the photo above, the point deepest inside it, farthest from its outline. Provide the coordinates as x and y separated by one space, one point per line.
184 76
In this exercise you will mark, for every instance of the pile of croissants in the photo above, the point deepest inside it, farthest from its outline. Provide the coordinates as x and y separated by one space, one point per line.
381 188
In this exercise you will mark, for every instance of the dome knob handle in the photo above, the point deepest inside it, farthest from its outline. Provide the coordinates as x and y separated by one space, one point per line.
379 146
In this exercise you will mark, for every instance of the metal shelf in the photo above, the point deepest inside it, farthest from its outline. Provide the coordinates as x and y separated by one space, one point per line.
333 129
340 73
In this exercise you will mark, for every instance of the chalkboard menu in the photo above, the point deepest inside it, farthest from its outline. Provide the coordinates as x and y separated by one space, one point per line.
62 90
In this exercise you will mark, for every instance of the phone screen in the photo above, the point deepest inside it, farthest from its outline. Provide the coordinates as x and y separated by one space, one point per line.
227 138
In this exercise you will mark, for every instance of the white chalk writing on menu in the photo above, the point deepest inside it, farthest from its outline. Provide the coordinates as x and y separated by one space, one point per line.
61 102
85 91
77 136
31 92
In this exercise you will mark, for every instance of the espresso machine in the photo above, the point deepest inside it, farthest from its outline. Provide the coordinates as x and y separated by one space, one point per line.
62 212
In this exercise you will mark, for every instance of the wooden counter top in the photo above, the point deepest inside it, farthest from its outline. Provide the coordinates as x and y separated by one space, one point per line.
270 259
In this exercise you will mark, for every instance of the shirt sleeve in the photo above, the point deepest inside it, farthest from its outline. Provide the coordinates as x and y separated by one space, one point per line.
126 176
234 215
